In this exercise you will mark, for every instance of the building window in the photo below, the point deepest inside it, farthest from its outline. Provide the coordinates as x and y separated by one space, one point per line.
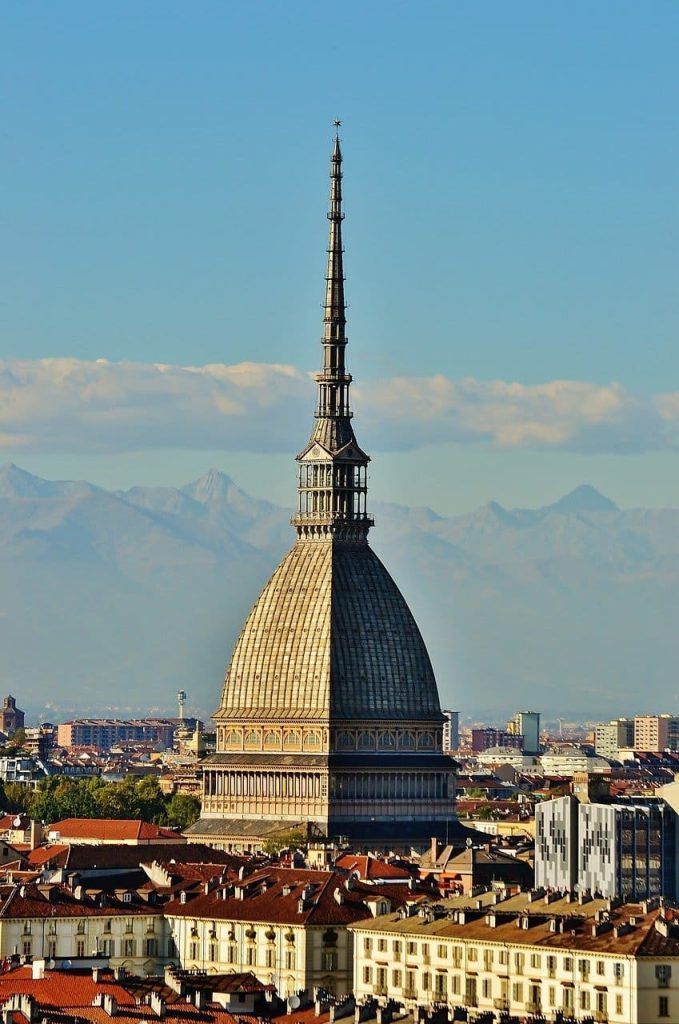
486 988
517 992
27 947
290 960
382 945
600 968
442 952
151 947
51 948
583 968
473 954
552 995
381 980
411 948
367 975
618 970
619 1005
130 947
535 961
584 1000
663 1006
367 945
425 981
568 963
663 973
395 977
251 956
488 959
193 950
441 986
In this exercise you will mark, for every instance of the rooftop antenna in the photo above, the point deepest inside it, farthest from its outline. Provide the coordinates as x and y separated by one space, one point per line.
181 701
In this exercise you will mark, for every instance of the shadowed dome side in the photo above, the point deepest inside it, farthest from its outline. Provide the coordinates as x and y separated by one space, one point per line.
330 637
380 667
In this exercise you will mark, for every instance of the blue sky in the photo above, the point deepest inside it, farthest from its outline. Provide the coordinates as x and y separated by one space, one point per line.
510 183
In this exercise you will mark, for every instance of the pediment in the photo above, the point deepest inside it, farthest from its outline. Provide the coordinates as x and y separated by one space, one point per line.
315 452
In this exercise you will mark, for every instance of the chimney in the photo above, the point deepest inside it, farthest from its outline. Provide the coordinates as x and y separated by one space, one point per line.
200 998
434 849
171 979
339 896
119 973
157 1004
38 970
35 834
107 1002
96 972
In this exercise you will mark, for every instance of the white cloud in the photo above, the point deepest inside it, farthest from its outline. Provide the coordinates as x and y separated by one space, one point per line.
75 405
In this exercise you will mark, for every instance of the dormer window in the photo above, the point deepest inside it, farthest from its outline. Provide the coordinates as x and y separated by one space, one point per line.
127 897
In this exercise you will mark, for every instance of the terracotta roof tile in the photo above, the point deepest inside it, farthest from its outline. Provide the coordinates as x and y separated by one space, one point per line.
111 829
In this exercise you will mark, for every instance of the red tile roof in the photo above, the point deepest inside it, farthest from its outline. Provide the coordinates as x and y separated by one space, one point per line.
111 829
74 991
371 869
43 855
31 900
274 894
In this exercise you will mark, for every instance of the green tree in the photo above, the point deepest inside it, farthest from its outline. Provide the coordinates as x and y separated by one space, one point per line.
294 837
182 810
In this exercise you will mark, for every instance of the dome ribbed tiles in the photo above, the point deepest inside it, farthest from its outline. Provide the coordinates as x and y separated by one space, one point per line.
330 637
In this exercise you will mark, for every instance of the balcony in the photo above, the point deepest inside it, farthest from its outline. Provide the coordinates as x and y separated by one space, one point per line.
501 1004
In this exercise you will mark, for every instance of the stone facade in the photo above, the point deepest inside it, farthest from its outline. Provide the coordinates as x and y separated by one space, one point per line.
530 956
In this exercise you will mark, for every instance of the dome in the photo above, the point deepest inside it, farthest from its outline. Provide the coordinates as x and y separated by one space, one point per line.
330 637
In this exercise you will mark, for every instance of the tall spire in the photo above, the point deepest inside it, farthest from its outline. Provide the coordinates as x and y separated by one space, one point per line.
332 479
334 319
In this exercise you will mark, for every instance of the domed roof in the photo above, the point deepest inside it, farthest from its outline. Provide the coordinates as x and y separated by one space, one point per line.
330 637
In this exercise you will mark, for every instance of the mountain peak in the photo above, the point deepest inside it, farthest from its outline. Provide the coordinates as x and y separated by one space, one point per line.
16 482
584 498
213 485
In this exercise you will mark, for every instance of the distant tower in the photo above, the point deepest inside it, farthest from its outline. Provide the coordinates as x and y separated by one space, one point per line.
181 701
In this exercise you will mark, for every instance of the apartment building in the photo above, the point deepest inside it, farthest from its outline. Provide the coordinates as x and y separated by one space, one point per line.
527 725
289 927
533 954
486 737
55 921
451 731
610 738
655 733
626 849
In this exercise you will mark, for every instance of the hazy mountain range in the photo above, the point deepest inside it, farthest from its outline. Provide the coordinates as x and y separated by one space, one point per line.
115 600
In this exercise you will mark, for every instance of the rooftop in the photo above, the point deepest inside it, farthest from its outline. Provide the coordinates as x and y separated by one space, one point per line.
551 920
